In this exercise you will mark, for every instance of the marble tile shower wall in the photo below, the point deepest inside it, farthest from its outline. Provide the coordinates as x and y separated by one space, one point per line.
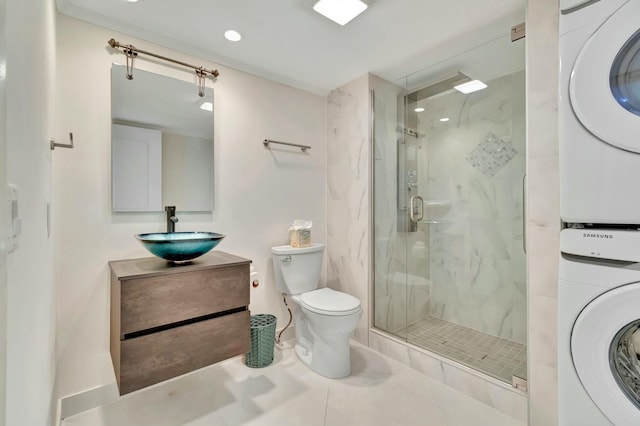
347 194
472 270
477 161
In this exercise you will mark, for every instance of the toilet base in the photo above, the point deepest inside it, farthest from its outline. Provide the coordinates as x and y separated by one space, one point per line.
333 364
322 342
303 353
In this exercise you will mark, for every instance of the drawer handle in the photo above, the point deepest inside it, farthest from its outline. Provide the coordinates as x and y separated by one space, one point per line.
287 259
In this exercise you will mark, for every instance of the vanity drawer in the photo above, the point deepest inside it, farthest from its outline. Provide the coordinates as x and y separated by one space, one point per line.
150 302
159 356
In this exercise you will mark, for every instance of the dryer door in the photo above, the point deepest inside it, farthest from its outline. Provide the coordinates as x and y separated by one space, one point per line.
605 346
605 82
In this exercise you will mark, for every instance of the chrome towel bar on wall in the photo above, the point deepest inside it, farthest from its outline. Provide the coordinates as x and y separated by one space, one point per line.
303 148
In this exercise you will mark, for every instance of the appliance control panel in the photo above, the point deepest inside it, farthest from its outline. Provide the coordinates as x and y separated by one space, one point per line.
614 244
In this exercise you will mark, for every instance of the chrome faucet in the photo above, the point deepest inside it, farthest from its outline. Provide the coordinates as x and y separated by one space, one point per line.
171 218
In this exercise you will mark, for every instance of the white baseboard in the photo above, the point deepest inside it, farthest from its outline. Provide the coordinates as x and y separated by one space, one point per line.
86 400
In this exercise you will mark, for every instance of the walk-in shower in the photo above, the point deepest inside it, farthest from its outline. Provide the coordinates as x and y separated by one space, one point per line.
450 270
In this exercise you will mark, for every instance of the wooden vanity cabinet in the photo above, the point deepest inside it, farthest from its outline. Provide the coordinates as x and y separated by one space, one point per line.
169 319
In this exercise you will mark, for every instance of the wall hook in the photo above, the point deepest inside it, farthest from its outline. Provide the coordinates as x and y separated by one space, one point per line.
53 143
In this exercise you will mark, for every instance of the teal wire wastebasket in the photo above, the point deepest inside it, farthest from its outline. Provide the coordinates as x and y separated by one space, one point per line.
263 336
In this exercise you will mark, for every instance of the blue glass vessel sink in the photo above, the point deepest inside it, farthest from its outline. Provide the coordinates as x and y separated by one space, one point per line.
179 246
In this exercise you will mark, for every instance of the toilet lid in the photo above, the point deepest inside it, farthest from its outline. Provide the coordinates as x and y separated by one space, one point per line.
330 302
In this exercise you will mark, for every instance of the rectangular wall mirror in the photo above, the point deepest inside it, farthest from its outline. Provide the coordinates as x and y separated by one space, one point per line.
161 143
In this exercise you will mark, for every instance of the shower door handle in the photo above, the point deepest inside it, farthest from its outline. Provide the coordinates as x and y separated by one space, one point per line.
416 216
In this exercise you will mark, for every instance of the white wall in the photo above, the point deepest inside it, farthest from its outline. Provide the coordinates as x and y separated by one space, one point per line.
30 290
187 176
258 192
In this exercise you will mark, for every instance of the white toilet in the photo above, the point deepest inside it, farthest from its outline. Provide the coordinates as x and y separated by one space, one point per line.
324 318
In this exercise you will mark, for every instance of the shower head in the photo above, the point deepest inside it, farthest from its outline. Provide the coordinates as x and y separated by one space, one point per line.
439 86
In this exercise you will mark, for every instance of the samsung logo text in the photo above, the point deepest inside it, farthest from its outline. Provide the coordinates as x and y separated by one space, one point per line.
587 235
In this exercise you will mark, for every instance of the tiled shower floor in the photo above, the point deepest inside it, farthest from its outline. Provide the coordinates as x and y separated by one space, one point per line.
492 355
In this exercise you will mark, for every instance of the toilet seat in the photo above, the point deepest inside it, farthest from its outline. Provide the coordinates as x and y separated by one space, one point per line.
326 301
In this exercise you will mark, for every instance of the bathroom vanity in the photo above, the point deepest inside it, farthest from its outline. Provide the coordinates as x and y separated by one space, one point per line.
168 319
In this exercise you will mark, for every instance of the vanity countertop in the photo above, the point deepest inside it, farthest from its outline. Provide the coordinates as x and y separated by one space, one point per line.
152 266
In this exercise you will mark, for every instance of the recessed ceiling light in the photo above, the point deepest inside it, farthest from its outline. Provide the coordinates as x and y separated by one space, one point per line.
232 35
132 1
419 109
444 119
340 11
470 86
207 106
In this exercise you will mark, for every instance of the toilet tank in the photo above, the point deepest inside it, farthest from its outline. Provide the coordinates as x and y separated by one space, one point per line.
297 270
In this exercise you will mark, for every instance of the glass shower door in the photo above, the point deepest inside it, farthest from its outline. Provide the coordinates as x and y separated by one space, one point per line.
391 220
450 269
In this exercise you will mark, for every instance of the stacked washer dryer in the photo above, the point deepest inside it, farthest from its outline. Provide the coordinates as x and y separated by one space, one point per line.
599 287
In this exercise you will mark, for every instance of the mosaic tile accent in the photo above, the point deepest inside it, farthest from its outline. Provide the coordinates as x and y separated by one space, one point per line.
497 357
491 154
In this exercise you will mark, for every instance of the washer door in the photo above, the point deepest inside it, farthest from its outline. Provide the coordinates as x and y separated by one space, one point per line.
605 81
605 346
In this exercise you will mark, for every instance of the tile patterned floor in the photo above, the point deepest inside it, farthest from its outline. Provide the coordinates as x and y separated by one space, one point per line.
492 355
380 392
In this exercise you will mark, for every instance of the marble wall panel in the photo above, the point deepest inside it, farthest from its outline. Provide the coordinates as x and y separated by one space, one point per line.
348 167
543 212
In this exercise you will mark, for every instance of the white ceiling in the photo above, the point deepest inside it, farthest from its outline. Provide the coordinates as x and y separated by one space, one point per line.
286 41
